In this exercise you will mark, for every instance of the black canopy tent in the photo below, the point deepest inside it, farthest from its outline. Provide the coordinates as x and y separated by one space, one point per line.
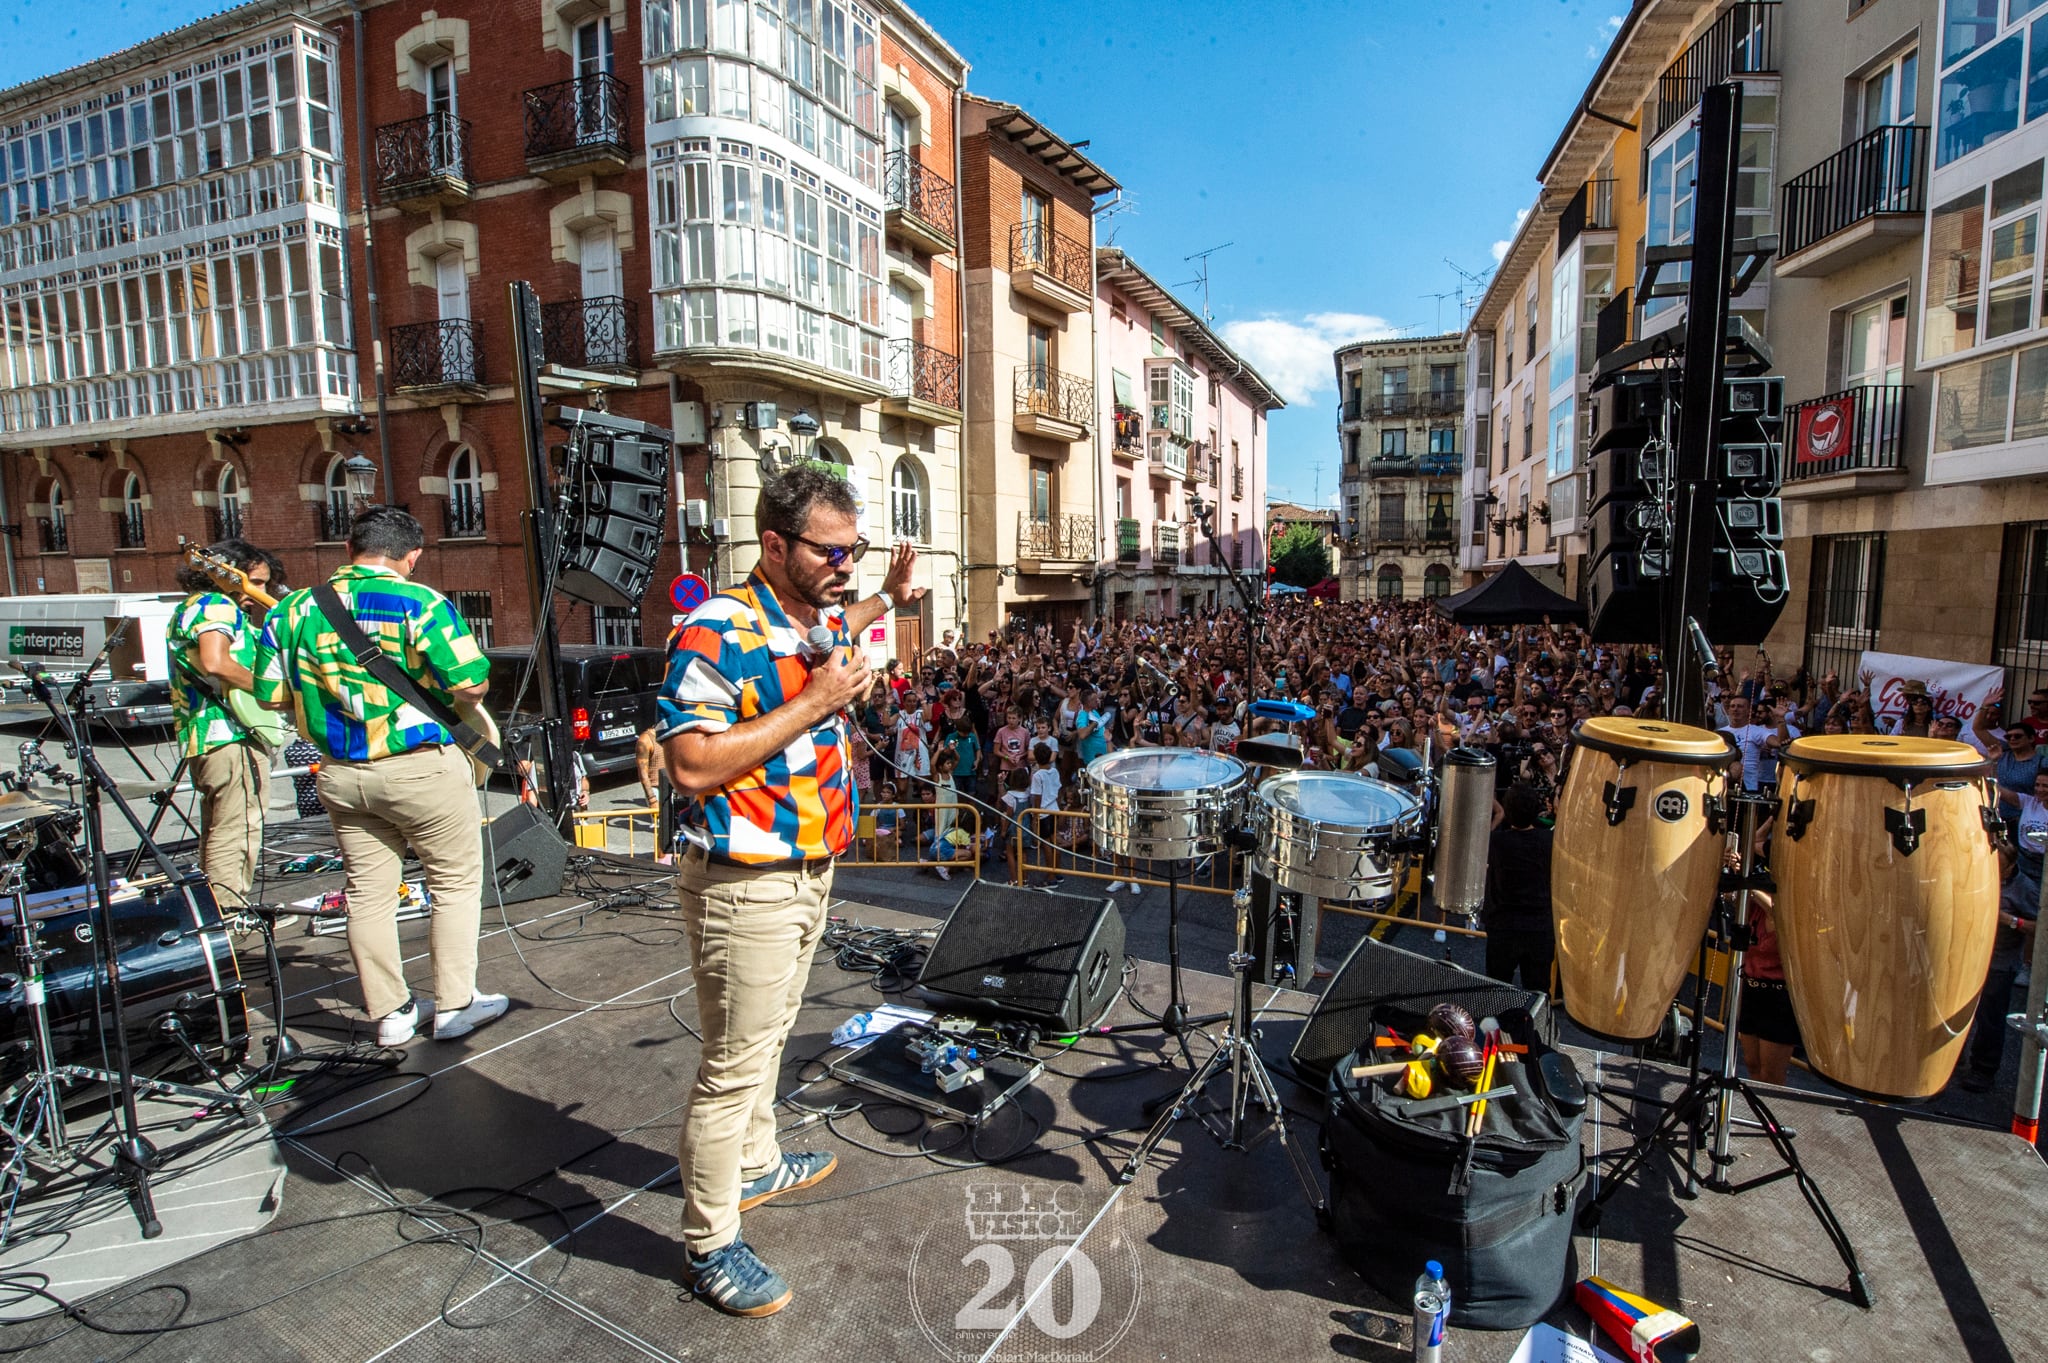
1511 596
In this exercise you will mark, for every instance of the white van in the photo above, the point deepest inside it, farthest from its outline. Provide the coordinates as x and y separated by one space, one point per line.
66 633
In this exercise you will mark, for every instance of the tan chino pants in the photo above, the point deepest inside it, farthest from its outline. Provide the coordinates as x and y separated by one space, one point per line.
751 937
233 782
427 798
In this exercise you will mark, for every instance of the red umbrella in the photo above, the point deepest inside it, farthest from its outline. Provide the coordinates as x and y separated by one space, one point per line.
1326 590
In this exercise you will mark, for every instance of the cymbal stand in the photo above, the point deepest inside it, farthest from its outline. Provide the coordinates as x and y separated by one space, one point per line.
1249 1078
1174 1020
1709 1100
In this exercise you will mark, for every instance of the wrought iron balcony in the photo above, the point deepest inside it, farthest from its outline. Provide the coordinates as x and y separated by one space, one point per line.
574 127
1742 42
1063 536
1130 430
55 534
1381 465
423 161
921 203
332 520
908 520
1054 404
1051 266
428 355
592 333
924 374
463 515
1349 413
128 529
1439 464
1130 542
1883 172
1872 440
1443 402
1402 403
226 521
1166 544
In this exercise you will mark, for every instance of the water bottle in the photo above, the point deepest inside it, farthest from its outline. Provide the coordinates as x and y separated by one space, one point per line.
1432 1313
852 1030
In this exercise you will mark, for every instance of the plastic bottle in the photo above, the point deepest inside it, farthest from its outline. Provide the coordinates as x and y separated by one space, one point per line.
851 1030
1432 1313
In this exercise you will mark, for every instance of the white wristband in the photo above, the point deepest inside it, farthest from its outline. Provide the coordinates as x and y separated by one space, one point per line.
888 602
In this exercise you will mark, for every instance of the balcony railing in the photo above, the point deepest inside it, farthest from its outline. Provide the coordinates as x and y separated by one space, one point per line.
1440 464
1166 544
128 529
1743 42
1201 465
420 155
1130 429
437 355
1874 441
331 521
54 534
1035 246
592 333
1059 535
1443 402
226 521
577 120
1591 210
908 521
463 517
1350 410
1382 464
1044 391
925 373
921 194
1130 541
1884 171
1402 403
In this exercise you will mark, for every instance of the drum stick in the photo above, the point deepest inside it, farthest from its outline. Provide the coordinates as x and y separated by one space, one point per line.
1423 1107
1373 1071
1478 1118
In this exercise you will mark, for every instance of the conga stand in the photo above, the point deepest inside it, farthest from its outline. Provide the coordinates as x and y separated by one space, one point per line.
1711 1098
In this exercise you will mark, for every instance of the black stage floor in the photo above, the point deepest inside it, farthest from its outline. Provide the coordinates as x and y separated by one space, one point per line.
556 1129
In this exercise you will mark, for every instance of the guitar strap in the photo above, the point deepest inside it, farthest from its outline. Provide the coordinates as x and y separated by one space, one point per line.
379 664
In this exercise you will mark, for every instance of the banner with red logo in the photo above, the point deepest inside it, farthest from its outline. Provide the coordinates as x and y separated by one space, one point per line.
1825 429
1958 690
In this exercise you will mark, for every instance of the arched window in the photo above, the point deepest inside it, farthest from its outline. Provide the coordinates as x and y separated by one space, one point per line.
129 533
227 521
465 496
335 511
56 526
906 504
1390 580
1436 581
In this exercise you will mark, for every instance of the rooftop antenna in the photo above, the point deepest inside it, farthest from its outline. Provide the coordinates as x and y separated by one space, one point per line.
1317 502
1466 279
1202 276
1457 293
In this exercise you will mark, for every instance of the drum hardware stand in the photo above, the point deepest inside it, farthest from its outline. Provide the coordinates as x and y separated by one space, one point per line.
1249 1079
1174 1020
134 1157
282 1048
1711 1097
163 800
2032 1025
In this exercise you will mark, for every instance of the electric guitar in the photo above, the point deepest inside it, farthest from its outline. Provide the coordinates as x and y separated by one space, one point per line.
268 726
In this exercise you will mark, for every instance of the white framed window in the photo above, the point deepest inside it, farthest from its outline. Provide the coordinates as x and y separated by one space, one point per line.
702 308
1886 96
906 503
693 87
1983 266
742 318
1985 91
735 98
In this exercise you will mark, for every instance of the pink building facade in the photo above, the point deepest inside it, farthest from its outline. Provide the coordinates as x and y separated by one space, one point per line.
1183 418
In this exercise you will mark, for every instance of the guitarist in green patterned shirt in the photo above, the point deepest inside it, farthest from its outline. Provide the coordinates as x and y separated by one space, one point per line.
212 640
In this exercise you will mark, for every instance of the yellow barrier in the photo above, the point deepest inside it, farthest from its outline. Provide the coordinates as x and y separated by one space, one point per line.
593 828
907 835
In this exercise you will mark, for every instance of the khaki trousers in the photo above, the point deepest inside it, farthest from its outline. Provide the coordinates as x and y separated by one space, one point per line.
751 937
233 782
426 797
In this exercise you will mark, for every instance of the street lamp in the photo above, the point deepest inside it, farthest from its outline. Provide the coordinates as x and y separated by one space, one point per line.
361 472
803 434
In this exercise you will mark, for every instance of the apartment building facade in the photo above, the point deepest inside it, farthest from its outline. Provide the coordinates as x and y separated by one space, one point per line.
1893 152
1399 431
1184 418
1032 447
703 259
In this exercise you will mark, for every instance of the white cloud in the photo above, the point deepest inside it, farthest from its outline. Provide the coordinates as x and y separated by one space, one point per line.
1598 49
1500 248
1295 356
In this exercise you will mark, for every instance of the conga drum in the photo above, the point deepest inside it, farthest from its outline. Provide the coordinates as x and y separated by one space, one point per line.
1887 905
1634 869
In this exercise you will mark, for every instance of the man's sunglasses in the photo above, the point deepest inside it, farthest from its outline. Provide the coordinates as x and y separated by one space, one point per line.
836 555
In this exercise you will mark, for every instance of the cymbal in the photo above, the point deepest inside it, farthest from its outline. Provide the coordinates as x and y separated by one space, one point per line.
18 807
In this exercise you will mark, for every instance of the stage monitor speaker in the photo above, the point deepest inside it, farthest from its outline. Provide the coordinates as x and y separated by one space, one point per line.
524 857
604 577
1379 983
1053 959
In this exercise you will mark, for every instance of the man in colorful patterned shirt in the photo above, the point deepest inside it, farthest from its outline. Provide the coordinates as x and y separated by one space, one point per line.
753 738
212 646
391 774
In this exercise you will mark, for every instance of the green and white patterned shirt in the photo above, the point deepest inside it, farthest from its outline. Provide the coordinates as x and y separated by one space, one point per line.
338 704
203 721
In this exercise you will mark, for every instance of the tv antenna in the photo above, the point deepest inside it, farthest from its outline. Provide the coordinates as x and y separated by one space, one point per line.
1466 280
1457 293
1202 275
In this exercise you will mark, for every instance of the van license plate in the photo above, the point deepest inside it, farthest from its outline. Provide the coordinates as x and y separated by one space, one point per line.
616 731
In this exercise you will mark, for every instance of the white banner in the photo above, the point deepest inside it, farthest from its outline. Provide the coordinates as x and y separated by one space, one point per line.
1958 689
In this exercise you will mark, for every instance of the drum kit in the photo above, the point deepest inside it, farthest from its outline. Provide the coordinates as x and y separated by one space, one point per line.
1886 904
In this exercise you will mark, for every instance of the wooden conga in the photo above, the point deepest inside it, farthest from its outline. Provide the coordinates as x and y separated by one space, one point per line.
1887 905
1634 869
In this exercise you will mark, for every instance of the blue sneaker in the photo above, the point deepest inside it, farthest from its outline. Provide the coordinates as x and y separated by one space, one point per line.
734 1280
796 1171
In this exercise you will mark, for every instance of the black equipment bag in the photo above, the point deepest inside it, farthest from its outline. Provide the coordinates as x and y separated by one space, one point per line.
1506 1241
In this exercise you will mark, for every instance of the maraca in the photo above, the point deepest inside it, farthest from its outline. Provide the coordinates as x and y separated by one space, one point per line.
1449 1019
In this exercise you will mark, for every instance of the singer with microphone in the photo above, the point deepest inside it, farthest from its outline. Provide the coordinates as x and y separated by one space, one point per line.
755 742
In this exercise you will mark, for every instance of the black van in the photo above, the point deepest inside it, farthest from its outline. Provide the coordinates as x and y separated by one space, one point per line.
609 695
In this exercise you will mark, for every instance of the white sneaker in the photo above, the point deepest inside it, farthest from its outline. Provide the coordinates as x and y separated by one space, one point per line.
395 1029
944 874
1115 885
481 1011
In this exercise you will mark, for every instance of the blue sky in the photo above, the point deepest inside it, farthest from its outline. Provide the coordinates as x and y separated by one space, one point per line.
1343 150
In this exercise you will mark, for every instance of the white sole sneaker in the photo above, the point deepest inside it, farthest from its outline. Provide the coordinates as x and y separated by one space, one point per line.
395 1029
480 1011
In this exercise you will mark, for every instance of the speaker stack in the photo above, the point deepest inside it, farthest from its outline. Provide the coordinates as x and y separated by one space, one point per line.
615 483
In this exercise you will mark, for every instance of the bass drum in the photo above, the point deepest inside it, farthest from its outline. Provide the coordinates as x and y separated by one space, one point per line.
1634 869
1887 905
169 946
1164 804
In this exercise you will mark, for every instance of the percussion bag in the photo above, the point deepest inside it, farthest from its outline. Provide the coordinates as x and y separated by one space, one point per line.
1506 1242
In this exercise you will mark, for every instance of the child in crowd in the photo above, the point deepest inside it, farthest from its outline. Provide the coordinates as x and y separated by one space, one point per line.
887 820
1016 799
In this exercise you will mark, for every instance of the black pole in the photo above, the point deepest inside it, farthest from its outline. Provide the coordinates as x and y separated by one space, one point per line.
552 741
1689 574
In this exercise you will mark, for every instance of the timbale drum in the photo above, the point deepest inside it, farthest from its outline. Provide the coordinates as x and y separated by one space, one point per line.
1634 868
1164 804
1333 834
1887 905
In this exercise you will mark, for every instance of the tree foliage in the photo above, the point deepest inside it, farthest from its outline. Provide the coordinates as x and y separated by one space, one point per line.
1300 557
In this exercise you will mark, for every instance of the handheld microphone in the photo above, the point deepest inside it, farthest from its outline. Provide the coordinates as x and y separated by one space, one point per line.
819 643
1703 648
